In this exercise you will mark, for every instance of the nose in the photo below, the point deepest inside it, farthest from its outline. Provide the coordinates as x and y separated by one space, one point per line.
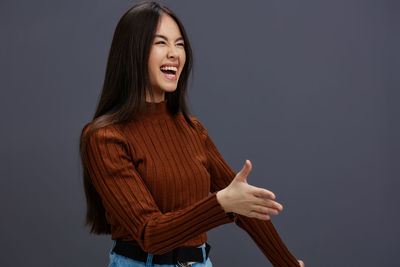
172 52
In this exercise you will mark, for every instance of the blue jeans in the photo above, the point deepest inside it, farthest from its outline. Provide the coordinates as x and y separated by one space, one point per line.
117 260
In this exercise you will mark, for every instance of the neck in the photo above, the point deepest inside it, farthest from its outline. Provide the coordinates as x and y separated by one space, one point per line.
158 97
154 110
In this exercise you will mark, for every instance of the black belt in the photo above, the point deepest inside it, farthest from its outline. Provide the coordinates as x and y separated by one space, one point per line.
179 255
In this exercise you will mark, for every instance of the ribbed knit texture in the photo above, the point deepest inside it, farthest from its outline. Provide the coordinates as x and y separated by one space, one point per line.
158 178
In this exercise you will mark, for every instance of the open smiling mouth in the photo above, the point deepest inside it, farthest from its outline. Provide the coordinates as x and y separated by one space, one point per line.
169 72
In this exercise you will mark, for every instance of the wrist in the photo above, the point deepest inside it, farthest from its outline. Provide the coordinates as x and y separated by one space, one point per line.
221 199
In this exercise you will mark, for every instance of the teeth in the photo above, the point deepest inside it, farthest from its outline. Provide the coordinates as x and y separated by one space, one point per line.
169 68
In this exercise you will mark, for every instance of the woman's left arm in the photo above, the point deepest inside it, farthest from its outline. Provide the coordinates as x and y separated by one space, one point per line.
262 232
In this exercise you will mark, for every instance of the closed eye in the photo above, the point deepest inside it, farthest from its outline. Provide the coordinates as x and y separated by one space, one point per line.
162 42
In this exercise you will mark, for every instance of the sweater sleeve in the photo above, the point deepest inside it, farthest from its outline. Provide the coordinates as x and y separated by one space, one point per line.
126 197
262 232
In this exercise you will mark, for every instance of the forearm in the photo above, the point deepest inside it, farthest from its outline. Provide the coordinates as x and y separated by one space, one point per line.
268 240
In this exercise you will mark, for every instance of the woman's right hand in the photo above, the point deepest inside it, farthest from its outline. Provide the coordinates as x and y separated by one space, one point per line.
241 198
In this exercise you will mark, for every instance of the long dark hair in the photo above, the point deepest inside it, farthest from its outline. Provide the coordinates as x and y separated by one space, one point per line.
124 90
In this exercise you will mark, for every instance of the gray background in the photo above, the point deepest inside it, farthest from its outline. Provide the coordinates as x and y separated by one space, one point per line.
307 90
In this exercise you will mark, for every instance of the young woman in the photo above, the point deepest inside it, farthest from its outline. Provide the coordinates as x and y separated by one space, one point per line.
153 177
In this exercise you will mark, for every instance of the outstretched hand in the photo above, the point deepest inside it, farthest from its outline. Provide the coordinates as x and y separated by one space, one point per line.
242 198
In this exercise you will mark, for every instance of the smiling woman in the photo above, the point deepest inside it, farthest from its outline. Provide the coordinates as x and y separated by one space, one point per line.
149 167
167 58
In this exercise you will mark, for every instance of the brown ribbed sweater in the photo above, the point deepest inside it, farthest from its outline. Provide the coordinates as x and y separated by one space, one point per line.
158 178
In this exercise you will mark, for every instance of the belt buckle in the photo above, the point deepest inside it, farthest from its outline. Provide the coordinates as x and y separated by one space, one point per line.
185 264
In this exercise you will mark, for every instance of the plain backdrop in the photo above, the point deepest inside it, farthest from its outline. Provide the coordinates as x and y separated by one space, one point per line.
307 90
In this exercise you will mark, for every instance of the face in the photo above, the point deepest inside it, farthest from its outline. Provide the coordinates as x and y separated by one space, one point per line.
167 58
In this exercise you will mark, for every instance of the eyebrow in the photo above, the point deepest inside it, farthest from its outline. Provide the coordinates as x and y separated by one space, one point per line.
165 38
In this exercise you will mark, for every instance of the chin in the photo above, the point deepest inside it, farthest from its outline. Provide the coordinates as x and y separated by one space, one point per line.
169 88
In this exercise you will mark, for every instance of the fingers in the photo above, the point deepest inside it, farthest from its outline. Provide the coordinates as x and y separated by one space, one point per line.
269 203
250 165
261 216
262 208
261 192
246 168
241 176
265 210
263 197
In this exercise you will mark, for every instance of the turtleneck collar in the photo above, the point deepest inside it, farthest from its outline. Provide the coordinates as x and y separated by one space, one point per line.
155 110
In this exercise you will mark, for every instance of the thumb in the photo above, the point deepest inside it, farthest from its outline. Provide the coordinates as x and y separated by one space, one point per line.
244 172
